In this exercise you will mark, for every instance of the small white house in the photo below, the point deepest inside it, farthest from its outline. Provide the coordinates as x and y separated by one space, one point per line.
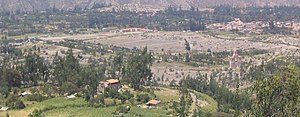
72 96
25 94
3 108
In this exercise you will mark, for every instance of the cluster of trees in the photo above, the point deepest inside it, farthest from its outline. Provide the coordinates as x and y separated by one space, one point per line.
170 19
138 72
9 78
67 76
182 107
277 94
278 13
64 72
20 24
211 58
226 99
219 58
90 48
99 100
275 91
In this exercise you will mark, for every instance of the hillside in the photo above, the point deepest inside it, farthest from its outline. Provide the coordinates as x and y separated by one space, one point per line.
30 5
78 107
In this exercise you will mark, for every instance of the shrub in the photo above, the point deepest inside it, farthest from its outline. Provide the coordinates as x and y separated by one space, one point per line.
34 90
143 98
131 101
46 90
114 94
36 97
97 101
128 94
14 103
69 88
122 109
4 89
35 113
125 96
148 90
111 93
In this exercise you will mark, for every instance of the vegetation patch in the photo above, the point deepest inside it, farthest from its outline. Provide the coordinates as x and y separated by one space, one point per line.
212 105
51 103
166 94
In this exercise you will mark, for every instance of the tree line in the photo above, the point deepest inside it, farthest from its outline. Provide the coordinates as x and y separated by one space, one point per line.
66 75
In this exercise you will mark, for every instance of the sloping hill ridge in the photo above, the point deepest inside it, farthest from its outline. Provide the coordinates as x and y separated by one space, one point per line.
30 5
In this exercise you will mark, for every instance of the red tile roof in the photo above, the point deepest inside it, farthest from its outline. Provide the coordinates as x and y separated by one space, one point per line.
153 102
112 81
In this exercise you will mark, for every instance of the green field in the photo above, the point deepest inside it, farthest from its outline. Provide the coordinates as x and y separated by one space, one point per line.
55 102
104 112
80 112
166 94
212 104
78 107
136 111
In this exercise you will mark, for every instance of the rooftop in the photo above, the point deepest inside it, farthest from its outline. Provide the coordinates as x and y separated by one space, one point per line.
112 81
153 102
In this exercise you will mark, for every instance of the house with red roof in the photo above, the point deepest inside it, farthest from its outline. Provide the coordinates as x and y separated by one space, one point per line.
109 84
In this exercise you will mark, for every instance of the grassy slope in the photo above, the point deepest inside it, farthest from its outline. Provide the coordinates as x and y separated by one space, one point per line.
166 94
136 111
103 112
212 104
81 110
56 102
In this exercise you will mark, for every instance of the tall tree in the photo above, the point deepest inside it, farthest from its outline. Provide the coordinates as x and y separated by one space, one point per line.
58 76
138 72
66 72
34 69
72 68
278 95
185 99
117 65
92 75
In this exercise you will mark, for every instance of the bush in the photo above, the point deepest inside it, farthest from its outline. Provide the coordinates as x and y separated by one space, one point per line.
148 90
4 89
47 90
143 98
97 101
36 97
111 93
122 109
125 96
14 103
35 113
69 88
34 90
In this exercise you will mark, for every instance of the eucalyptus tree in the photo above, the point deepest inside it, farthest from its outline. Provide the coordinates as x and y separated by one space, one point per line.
138 72
278 95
